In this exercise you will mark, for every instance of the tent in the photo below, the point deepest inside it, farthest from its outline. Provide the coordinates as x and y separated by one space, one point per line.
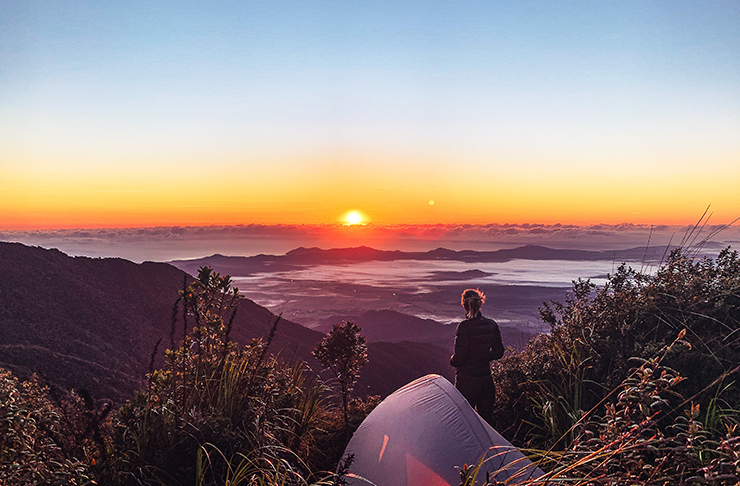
417 436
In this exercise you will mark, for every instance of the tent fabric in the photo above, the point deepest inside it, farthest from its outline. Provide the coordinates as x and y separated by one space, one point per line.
417 436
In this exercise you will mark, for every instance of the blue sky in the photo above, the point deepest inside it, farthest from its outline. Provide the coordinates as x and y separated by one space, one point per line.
306 95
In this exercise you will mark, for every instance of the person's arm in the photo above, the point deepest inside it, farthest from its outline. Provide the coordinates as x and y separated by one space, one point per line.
497 346
462 344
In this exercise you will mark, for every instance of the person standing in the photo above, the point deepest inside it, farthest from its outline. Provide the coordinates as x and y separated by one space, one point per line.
477 343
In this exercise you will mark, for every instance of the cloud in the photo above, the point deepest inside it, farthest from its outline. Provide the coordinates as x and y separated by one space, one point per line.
171 242
463 231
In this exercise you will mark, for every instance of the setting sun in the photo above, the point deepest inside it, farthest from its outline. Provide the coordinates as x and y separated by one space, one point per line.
354 217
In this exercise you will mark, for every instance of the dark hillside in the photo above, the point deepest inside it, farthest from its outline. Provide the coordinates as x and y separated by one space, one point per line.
82 322
391 326
93 323
390 365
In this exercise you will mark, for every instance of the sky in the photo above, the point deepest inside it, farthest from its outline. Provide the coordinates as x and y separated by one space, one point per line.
152 114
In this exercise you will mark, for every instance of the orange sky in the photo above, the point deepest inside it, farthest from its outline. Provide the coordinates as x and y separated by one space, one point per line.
39 195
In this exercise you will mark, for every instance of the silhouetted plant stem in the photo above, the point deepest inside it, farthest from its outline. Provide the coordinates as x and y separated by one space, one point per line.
184 309
263 350
173 322
227 336
184 346
345 409
154 353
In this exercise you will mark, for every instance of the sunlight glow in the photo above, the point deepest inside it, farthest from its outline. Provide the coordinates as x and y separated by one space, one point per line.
354 217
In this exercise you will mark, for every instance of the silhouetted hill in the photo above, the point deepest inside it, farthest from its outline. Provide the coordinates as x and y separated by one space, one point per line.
392 326
301 257
388 366
93 323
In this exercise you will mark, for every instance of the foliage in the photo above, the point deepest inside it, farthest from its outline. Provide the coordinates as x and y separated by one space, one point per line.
625 443
597 331
724 469
39 444
592 418
222 413
610 396
344 352
331 436
216 413
626 439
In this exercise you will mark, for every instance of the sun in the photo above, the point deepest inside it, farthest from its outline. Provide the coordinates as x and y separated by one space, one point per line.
354 217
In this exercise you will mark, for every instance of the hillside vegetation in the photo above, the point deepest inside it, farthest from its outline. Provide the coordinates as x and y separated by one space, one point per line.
636 384
637 381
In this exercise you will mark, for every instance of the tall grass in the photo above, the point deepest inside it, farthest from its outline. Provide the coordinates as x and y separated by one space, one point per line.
637 439
220 413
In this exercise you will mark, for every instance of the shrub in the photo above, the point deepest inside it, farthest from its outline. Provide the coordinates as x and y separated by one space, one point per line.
43 441
597 331
344 352
633 437
222 413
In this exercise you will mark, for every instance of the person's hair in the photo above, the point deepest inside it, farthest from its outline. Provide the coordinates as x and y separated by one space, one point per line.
471 300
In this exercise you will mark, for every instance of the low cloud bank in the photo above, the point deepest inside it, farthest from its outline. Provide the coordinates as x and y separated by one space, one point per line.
170 242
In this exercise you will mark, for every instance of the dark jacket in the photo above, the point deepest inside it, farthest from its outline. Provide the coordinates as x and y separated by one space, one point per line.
477 343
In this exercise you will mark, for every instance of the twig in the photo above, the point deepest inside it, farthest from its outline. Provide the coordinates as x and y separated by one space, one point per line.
154 353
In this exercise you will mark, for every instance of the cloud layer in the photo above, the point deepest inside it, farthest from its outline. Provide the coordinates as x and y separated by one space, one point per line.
170 242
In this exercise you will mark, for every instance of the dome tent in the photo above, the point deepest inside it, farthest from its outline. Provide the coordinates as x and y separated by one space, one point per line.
418 434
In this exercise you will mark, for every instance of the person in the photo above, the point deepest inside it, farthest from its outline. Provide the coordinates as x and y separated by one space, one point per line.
477 343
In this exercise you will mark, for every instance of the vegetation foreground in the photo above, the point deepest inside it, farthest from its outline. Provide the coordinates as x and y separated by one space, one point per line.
636 384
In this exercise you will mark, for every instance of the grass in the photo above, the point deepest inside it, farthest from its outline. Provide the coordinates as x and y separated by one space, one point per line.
631 443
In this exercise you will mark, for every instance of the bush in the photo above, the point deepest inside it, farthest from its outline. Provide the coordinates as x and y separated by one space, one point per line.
42 440
597 331
634 437
219 412
344 352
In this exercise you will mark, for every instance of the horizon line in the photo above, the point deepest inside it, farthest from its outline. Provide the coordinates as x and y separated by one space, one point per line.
368 225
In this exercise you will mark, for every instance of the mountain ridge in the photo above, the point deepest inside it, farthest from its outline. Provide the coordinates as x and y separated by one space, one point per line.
302 256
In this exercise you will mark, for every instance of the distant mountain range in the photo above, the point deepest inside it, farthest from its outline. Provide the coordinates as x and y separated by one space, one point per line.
93 323
301 257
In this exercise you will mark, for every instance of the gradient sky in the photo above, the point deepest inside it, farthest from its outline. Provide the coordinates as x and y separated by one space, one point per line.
193 113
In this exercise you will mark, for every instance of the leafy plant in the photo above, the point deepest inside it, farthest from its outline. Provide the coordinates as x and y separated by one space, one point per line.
37 444
344 352
596 333
217 411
